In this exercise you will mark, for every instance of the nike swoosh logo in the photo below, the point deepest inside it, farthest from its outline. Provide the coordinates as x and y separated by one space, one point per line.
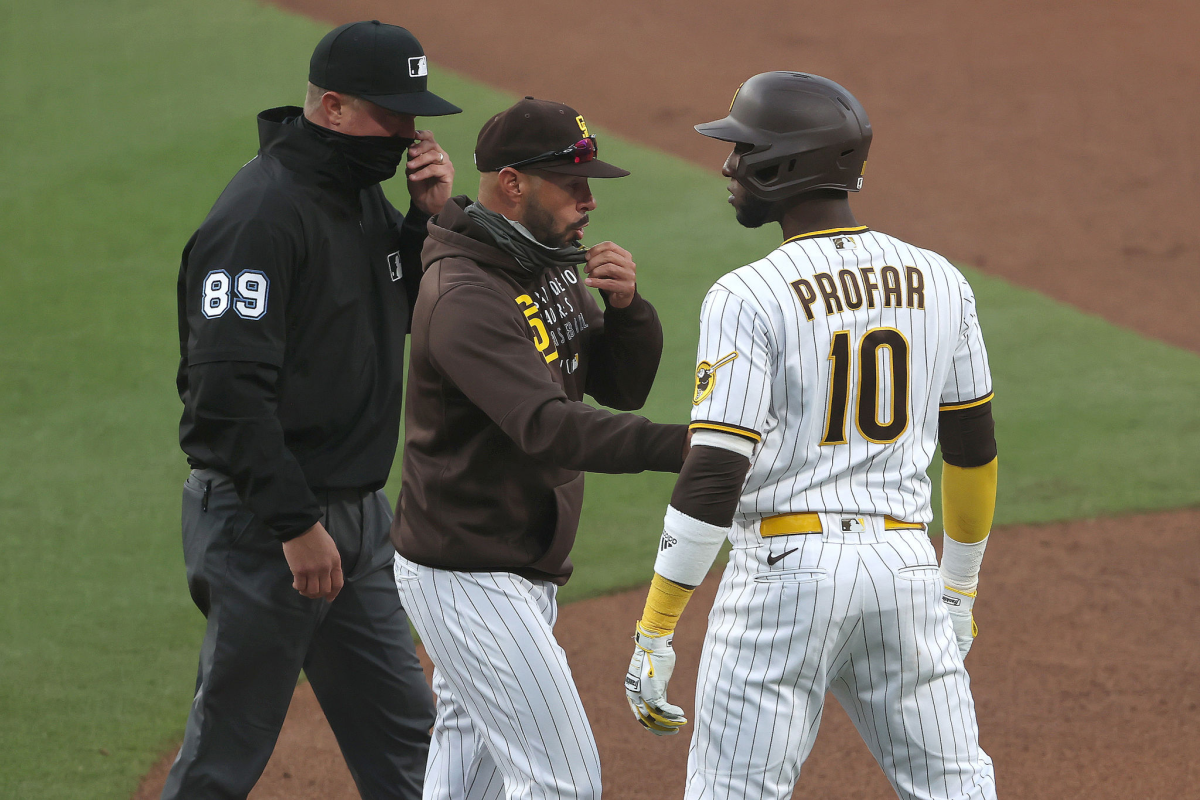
773 560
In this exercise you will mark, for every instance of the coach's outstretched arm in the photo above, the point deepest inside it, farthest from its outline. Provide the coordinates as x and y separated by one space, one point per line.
477 340
968 440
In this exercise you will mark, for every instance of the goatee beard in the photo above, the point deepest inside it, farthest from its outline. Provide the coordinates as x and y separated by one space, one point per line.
753 212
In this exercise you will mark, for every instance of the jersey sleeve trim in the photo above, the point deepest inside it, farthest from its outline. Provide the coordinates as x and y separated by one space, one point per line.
726 427
967 404
828 232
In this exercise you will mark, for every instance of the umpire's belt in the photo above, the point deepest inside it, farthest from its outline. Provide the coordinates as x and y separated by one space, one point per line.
810 522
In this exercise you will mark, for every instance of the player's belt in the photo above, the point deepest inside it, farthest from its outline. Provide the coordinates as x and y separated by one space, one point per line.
810 522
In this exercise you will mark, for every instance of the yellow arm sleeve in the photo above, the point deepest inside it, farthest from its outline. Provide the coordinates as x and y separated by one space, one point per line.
664 604
968 501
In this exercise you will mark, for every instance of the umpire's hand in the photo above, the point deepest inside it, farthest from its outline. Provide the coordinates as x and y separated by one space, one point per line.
315 563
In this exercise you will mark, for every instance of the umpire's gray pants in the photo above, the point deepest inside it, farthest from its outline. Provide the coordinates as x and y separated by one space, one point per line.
357 652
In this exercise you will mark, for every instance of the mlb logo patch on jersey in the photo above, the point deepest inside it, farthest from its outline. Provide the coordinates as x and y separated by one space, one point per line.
853 525
844 243
394 267
418 67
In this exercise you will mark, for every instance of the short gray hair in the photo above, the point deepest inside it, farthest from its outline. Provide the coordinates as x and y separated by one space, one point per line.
313 98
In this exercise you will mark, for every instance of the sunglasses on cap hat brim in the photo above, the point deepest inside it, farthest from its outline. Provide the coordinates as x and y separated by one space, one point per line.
578 159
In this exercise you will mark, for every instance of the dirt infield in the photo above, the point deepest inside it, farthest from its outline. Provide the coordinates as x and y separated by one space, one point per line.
1086 677
1051 143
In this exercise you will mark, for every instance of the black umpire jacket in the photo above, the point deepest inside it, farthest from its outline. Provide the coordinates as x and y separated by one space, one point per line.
294 298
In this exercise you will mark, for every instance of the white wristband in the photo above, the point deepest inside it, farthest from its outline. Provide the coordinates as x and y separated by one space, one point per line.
960 563
688 548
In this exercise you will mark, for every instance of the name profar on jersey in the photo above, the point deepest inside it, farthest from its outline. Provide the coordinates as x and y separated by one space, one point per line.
837 351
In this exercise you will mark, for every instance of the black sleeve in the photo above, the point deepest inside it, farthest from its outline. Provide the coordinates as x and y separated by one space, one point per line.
967 435
233 428
710 484
413 231
623 358
234 288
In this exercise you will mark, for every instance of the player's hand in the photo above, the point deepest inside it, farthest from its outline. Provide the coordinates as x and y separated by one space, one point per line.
610 269
430 173
962 617
646 683
315 563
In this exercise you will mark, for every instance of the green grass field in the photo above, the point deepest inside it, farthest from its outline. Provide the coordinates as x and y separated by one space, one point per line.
130 117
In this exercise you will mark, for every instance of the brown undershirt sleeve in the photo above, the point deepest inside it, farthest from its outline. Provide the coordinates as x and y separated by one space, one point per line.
710 484
967 436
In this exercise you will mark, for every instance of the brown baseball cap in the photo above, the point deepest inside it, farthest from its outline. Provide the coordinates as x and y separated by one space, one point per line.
541 134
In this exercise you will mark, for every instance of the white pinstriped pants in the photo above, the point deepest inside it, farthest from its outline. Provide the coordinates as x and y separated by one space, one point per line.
859 615
509 719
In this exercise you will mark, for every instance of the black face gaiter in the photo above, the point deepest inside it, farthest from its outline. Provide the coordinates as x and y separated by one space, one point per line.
532 256
369 159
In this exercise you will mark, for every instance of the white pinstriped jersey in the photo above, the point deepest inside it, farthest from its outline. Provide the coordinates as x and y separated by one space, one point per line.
834 354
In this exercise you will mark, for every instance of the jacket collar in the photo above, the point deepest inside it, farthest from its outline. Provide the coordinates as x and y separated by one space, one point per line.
280 137
453 233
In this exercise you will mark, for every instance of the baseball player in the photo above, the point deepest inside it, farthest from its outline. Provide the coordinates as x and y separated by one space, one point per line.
826 369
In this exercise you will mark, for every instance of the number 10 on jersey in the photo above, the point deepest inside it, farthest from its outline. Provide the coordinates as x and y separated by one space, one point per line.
876 381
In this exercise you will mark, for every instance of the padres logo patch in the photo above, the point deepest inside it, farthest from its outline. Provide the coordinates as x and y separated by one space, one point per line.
582 125
706 377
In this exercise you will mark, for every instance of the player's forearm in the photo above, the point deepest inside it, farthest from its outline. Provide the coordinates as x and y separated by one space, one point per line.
969 500
697 523
968 440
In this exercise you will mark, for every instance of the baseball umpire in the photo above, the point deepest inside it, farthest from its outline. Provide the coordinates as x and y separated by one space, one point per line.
294 299
506 341
827 372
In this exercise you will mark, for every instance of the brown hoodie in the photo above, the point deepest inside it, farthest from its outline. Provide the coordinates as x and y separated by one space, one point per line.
496 435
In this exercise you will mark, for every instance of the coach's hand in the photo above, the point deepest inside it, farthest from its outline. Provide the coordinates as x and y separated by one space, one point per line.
610 269
962 617
315 563
646 683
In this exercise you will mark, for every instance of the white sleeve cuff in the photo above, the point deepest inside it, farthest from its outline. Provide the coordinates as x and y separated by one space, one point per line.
688 547
725 441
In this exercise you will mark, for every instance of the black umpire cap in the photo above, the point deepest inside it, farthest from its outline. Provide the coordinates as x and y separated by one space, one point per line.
378 62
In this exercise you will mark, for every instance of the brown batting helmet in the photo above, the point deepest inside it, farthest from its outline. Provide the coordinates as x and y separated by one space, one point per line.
804 132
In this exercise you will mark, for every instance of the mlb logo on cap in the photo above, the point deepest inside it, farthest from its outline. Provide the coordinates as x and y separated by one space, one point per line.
417 67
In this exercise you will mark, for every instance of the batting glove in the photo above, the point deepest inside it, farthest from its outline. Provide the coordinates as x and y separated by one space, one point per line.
960 605
650 669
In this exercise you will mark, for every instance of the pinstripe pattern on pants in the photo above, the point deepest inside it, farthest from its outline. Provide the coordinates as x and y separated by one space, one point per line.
509 719
858 615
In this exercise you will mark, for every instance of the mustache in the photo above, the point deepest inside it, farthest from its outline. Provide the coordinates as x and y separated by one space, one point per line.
579 223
